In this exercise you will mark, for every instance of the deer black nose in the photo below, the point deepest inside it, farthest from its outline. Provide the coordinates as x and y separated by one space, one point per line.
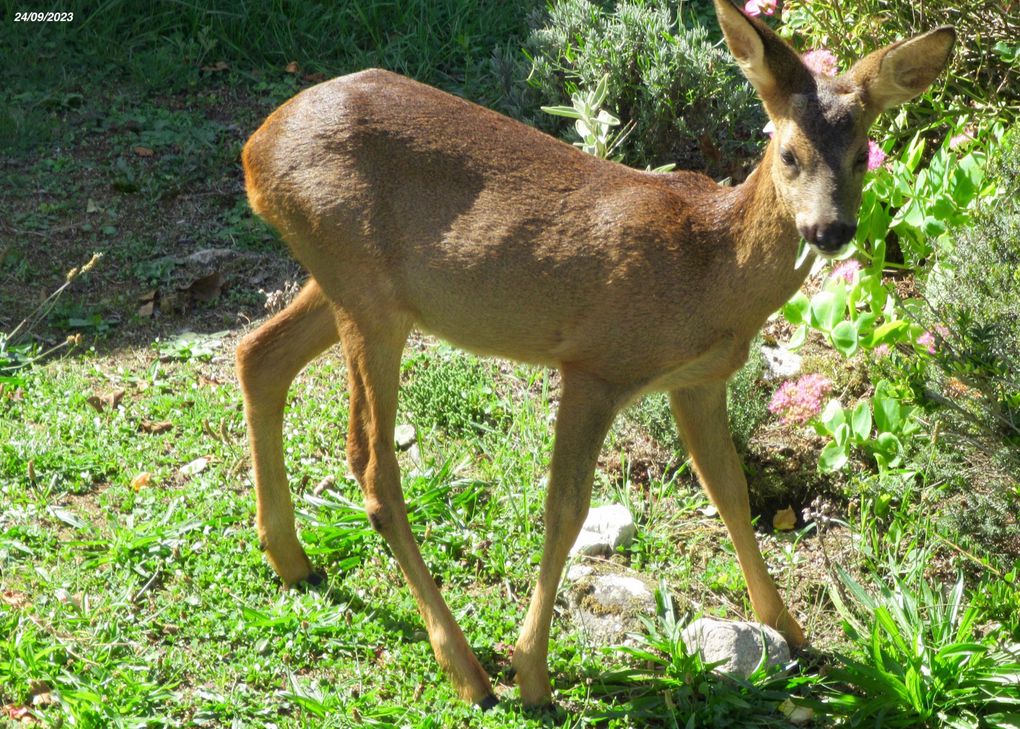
829 237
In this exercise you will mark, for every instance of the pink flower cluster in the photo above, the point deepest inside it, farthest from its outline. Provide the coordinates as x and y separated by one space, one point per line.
821 61
846 270
875 156
799 401
760 7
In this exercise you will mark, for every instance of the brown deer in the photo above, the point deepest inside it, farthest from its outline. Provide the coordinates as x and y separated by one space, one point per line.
414 208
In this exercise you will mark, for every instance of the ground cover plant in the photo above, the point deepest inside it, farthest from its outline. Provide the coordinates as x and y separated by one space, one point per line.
132 591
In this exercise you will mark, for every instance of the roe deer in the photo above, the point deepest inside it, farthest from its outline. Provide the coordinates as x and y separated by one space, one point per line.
410 207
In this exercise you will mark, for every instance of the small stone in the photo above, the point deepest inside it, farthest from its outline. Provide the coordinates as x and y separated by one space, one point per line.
404 436
195 467
780 364
606 529
738 645
608 606
579 572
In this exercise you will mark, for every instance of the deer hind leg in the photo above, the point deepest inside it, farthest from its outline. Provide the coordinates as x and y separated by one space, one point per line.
268 360
373 355
700 414
586 411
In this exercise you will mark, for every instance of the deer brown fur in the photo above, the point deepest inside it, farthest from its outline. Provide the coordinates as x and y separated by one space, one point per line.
413 208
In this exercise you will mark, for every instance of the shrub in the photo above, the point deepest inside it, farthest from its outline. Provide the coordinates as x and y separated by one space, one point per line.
969 381
973 294
683 95
450 390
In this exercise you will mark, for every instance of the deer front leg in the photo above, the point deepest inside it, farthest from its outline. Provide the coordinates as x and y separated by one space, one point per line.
372 346
586 411
700 414
268 360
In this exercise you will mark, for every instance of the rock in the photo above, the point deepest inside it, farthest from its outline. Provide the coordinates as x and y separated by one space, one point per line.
605 529
737 644
404 436
780 364
579 572
607 606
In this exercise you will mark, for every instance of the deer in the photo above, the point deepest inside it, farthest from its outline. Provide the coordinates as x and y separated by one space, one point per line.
411 208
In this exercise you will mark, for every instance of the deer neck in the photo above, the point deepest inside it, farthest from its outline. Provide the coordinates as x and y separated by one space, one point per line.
765 243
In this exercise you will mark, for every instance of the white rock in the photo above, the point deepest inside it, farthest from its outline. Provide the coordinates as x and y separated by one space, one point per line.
780 364
605 529
404 436
737 644
607 606
579 572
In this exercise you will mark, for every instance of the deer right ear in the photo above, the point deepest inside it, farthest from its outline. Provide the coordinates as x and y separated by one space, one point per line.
770 64
901 71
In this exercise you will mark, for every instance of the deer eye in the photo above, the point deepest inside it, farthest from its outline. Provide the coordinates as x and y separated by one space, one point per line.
862 158
788 158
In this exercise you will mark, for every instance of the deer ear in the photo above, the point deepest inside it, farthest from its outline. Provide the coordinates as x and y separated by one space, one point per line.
770 64
901 71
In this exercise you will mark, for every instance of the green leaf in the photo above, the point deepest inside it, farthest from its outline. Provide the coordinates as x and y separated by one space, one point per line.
827 308
888 413
833 457
795 310
833 415
889 333
567 111
797 339
860 422
844 338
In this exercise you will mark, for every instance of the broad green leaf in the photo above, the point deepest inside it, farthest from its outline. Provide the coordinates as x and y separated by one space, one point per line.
860 422
889 333
796 309
827 308
833 415
833 457
797 339
844 338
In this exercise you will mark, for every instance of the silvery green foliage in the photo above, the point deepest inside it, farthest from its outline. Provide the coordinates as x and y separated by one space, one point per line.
681 91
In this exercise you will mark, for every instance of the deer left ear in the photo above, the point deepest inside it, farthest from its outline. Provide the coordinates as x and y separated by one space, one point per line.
901 71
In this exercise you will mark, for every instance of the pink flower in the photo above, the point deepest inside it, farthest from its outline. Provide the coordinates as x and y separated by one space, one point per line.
927 340
799 401
760 7
875 156
821 61
846 270
964 137
881 350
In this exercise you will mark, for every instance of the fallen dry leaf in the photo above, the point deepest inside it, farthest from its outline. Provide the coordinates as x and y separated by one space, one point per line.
206 381
113 399
143 151
292 67
140 481
96 402
18 713
155 426
785 519
14 599
216 67
314 77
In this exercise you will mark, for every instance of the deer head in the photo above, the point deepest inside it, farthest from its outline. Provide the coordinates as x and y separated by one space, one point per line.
819 151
